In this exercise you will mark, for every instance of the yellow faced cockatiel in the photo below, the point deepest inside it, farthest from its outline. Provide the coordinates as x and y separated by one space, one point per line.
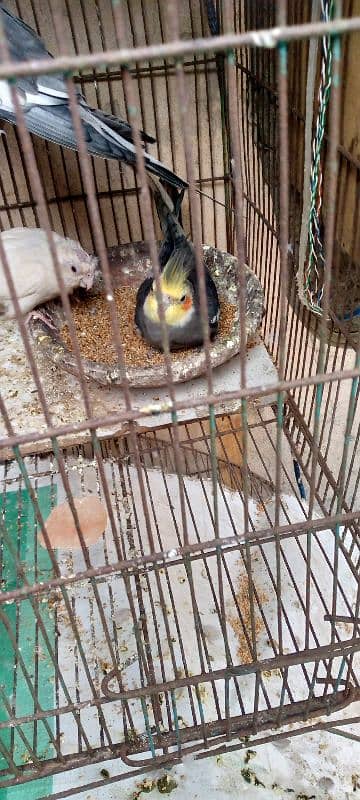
179 286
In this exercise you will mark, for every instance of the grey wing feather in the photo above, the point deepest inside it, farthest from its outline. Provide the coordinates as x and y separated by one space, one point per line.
46 105
21 38
120 127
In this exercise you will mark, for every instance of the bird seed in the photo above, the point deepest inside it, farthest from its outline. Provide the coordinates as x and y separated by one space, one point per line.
95 335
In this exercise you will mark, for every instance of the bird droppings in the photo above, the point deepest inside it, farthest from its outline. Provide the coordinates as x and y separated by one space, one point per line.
249 755
105 666
166 784
250 777
96 338
105 773
303 796
145 787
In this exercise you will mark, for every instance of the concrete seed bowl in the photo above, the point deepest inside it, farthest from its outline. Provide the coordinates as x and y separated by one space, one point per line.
129 265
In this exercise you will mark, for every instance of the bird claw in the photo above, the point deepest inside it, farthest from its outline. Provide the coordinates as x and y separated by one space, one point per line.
43 317
138 332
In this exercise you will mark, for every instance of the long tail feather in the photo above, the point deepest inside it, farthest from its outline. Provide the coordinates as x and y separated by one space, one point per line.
121 127
105 141
168 213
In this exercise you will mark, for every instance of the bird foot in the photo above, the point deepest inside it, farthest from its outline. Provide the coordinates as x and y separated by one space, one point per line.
43 317
138 332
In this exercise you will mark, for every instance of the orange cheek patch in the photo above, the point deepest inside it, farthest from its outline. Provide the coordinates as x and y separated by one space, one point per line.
187 304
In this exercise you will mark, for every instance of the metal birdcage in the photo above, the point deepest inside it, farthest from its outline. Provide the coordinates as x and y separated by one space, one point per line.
221 603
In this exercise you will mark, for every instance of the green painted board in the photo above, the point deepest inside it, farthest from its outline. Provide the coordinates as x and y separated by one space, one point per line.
19 536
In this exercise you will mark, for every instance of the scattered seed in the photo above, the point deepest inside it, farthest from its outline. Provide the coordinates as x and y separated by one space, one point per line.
93 327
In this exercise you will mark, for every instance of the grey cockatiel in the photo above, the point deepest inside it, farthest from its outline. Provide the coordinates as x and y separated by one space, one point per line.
29 258
178 283
45 102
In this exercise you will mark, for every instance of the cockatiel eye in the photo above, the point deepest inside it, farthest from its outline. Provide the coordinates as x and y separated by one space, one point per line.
73 269
183 298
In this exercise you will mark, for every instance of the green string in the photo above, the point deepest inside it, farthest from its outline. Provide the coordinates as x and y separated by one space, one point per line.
314 280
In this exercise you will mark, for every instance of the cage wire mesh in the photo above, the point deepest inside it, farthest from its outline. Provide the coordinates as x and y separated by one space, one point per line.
222 600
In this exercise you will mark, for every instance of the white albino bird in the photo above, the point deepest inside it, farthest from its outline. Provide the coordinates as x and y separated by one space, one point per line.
29 258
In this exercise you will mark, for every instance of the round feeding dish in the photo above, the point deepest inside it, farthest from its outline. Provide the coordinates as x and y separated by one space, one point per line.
129 265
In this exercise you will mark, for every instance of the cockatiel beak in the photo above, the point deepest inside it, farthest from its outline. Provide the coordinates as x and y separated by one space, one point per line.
166 300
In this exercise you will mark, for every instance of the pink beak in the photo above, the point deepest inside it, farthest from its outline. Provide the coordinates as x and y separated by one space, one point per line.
87 281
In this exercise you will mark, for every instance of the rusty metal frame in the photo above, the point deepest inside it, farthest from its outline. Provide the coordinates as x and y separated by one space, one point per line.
299 418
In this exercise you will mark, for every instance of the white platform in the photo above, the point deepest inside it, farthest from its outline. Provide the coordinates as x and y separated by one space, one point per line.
64 397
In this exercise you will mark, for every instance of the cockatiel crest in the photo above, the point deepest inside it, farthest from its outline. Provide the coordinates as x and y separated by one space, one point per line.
174 276
31 265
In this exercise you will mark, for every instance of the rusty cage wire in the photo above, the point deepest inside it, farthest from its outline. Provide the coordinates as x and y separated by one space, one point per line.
222 601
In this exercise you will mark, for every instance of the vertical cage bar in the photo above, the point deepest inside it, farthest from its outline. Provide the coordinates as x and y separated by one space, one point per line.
241 294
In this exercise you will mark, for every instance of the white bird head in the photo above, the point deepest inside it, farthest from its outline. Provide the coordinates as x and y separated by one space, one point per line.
29 258
79 267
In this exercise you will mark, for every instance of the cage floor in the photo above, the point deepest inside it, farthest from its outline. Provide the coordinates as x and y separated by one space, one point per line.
182 623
